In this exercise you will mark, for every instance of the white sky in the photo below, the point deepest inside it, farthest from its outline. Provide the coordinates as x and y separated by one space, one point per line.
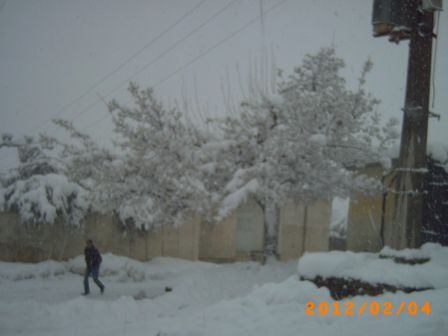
53 51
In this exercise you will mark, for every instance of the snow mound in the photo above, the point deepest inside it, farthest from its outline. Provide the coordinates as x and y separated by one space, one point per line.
124 269
23 271
427 251
370 268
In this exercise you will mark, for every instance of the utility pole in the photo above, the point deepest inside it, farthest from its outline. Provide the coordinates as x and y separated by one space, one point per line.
413 20
411 168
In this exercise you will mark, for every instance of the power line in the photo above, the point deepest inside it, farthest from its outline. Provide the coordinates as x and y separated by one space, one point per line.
125 62
160 56
220 42
213 47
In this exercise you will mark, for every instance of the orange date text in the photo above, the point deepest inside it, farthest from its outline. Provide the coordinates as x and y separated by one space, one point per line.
371 308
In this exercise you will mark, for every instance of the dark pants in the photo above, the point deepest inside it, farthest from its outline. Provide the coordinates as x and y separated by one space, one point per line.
93 271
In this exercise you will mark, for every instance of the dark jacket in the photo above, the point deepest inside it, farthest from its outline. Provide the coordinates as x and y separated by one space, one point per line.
93 256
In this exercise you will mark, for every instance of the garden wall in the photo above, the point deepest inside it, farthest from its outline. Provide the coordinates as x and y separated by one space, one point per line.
37 242
238 237
364 217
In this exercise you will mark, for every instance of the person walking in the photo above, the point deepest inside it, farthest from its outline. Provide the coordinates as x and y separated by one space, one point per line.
93 262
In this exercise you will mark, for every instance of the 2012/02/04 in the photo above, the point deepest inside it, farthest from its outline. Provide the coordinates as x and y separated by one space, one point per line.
373 308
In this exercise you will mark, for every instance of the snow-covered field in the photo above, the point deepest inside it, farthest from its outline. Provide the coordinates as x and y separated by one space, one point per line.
206 299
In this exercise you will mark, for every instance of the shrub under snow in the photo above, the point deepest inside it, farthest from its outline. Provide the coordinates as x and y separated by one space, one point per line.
42 198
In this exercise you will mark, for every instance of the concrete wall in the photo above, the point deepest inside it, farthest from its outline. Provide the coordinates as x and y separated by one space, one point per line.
249 232
364 217
239 237
291 230
303 228
317 234
181 242
219 242
37 242
20 242
223 241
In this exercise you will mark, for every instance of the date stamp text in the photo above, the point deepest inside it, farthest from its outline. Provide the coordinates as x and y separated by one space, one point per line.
372 308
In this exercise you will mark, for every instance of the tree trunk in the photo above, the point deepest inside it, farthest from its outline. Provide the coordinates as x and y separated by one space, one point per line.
271 220
304 231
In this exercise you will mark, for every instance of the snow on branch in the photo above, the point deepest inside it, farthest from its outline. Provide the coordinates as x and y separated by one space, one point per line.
37 188
43 198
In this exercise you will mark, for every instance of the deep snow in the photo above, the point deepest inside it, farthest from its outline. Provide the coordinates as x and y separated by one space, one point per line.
207 299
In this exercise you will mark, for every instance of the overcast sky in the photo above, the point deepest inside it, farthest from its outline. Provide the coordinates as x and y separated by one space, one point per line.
61 58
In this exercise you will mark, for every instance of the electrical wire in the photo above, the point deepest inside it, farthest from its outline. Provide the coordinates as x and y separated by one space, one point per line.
213 47
160 56
122 64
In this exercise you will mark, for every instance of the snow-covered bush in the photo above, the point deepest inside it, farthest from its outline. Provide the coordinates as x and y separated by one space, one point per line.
43 198
37 189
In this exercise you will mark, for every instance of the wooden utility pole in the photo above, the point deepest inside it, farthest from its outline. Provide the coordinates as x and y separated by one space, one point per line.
411 169
413 20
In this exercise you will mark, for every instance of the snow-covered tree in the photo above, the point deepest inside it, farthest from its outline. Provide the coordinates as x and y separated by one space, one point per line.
37 188
85 161
158 177
303 143
152 178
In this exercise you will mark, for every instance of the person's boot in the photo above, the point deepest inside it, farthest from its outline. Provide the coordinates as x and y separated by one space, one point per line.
85 293
102 289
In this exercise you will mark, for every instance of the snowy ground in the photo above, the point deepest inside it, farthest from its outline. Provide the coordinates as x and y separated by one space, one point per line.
207 299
